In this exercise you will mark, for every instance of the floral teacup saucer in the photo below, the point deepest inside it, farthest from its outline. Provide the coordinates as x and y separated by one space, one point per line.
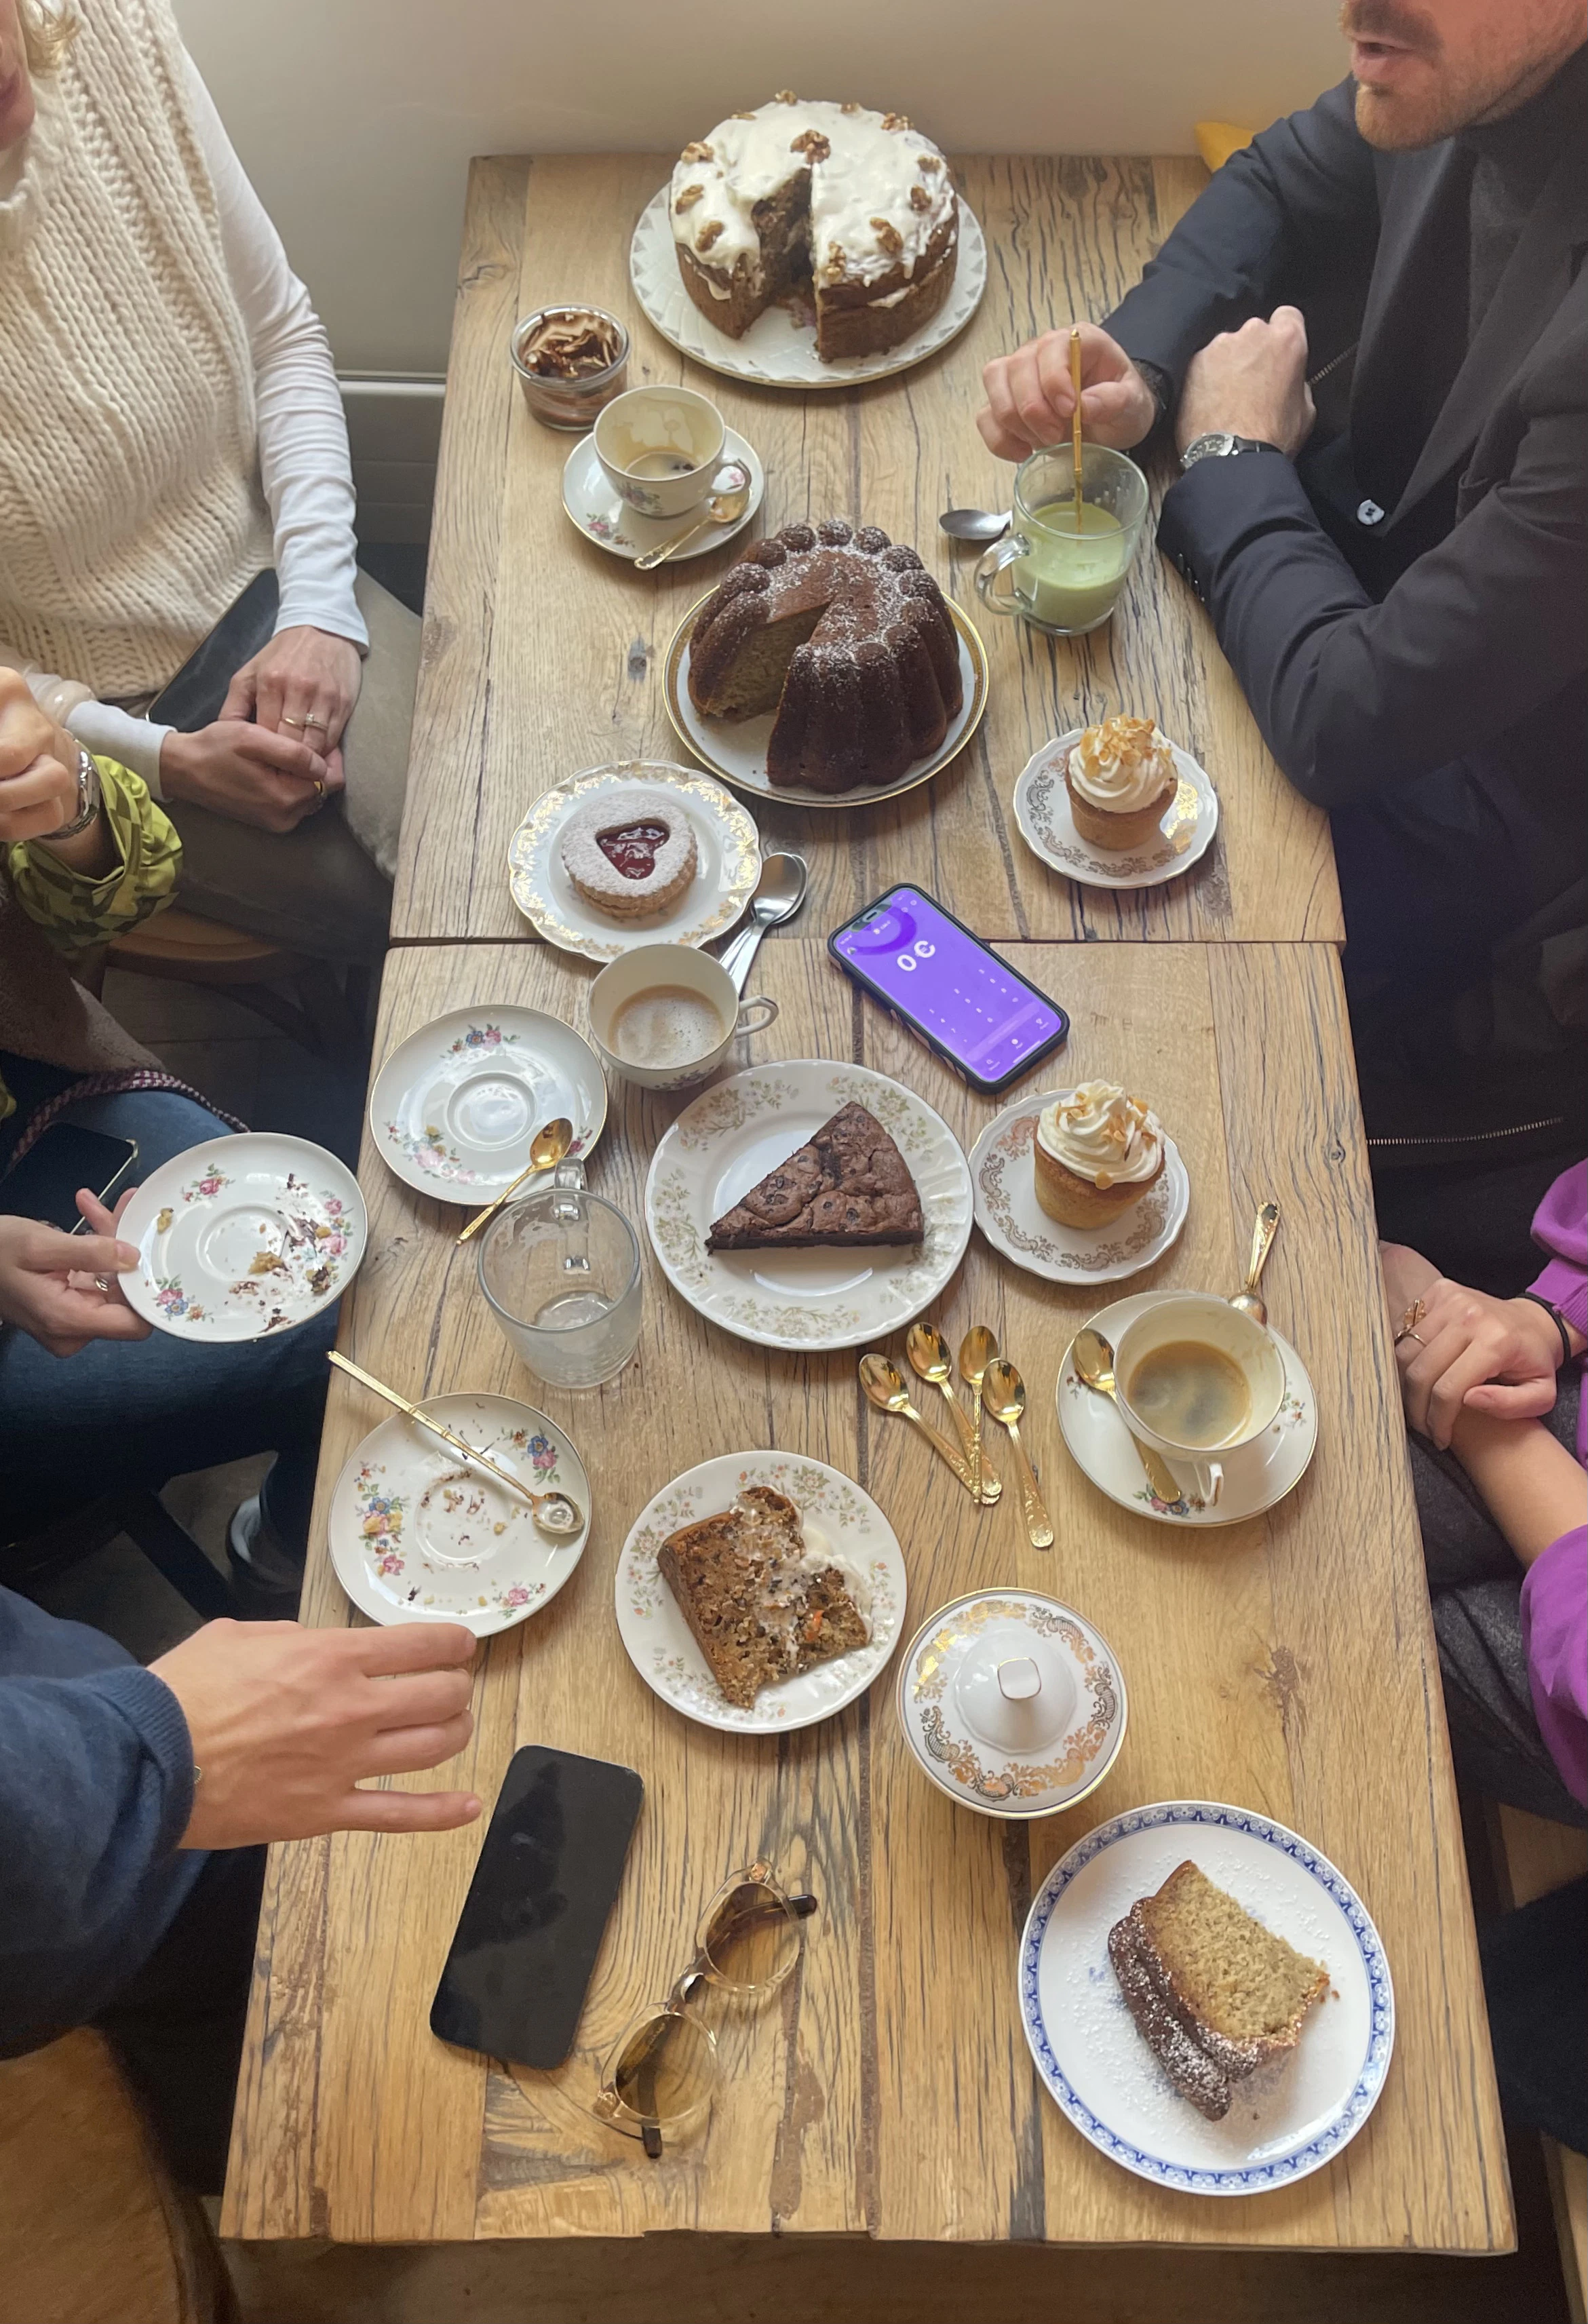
1004 1191
418 1535
243 1235
454 1107
1257 1475
1042 810
602 517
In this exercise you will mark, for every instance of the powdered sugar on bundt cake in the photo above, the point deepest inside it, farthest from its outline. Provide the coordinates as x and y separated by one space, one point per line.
848 638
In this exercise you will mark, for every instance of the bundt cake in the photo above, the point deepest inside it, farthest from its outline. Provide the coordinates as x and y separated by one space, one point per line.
847 638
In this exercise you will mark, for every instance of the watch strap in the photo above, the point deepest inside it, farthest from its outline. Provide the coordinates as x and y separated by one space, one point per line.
1218 443
90 797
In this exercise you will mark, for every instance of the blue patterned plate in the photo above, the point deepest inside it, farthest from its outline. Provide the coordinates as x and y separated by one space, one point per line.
1284 2122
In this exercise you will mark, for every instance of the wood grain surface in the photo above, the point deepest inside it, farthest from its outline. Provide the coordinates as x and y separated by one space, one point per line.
1286 1663
543 653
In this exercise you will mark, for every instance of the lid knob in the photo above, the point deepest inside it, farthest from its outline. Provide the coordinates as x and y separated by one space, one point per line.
1019 1679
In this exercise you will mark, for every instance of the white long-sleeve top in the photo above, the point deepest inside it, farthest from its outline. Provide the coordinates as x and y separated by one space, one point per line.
305 467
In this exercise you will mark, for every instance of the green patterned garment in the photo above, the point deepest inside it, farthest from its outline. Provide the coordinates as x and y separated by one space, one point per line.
77 913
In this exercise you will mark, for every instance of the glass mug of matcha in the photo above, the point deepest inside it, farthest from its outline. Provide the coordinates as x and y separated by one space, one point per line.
1061 580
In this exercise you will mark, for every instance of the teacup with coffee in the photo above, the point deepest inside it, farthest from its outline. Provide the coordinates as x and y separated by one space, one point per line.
665 1016
660 448
1196 1377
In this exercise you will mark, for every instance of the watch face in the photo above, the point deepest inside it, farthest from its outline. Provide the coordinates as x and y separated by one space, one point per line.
1210 447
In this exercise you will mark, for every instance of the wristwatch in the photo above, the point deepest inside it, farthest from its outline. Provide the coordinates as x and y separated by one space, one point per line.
1220 445
89 799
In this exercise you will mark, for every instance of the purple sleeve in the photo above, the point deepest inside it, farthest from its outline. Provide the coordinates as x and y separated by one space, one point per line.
1554 1631
1560 1226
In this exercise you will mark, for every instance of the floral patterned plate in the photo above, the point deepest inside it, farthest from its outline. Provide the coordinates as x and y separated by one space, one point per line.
1012 1703
418 1535
728 850
243 1235
1004 1191
593 506
1042 810
837 1517
1255 1477
1285 2121
729 1137
455 1106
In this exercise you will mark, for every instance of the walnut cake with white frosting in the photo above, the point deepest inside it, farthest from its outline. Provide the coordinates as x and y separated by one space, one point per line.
854 210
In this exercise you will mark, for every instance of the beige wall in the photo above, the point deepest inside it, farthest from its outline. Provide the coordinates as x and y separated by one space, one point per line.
356 118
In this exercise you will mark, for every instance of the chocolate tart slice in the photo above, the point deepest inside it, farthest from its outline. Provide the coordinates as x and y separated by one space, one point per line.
849 1186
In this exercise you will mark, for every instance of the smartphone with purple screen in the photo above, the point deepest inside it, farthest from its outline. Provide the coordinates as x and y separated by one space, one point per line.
951 990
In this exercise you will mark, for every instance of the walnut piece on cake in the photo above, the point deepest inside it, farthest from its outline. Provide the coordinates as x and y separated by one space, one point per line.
708 233
896 121
688 197
888 236
697 151
812 145
785 96
920 199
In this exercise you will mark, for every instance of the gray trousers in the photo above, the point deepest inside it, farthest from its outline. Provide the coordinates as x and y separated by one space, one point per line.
326 888
1475 1584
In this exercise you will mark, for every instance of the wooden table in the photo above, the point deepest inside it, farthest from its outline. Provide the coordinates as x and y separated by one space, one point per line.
542 652
1287 1664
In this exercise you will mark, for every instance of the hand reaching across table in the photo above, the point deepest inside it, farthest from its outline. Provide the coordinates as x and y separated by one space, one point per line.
287 1723
1031 403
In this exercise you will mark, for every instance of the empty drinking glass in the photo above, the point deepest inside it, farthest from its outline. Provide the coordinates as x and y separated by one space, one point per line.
562 1271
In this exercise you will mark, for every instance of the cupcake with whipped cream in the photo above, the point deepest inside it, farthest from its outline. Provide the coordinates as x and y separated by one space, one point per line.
1120 776
1096 1151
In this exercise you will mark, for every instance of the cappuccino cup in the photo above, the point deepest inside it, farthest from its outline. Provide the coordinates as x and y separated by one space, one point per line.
1196 1378
664 1016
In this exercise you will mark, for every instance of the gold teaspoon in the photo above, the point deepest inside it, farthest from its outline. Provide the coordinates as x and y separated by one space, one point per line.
929 1360
1095 1364
1262 1242
547 1148
883 1383
1006 1401
976 1352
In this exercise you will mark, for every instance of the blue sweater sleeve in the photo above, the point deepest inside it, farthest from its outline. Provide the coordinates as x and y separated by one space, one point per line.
96 1790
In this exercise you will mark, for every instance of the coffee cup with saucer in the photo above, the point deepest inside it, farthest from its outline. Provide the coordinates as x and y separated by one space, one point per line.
1196 1377
660 448
665 1016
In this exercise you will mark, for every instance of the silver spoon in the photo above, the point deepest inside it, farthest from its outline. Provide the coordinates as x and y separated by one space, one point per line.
725 506
778 894
975 524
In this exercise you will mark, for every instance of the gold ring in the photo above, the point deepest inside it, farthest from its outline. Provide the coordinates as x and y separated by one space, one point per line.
102 1283
319 788
322 723
292 721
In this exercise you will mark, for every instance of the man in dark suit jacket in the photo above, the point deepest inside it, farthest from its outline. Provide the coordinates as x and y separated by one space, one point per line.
1399 584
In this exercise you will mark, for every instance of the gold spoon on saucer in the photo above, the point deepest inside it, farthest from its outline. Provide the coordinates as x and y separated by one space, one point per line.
1095 1364
1006 1401
883 1383
1262 1242
929 1359
554 1513
721 508
547 1148
976 1352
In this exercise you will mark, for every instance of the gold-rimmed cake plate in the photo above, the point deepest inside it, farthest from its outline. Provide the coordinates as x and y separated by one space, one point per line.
778 350
727 848
736 748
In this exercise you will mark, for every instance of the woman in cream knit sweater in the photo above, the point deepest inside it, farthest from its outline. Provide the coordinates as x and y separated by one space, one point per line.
170 427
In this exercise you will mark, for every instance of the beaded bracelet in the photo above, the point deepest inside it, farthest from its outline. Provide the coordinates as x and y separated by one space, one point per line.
1567 1353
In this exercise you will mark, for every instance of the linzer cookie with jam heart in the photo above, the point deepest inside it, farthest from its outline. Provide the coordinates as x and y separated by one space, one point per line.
630 852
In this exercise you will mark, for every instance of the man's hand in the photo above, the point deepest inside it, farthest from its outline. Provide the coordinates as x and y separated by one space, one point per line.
247 773
50 1282
303 684
1031 401
285 1723
38 766
1250 383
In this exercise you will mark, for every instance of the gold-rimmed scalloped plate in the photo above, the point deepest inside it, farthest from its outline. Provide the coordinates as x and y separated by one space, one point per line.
1042 812
727 848
736 748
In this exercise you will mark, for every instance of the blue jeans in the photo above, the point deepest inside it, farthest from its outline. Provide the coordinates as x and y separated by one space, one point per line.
138 1412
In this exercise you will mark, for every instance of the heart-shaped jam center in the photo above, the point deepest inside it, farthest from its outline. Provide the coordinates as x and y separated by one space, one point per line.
632 848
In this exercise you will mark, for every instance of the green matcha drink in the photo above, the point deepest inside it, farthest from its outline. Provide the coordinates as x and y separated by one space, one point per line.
1060 578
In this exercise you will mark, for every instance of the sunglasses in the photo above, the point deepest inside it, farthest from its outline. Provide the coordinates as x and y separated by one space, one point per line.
662 2073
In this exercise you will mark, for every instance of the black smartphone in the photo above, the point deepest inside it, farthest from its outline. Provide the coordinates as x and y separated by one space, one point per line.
516 1977
952 990
44 1184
